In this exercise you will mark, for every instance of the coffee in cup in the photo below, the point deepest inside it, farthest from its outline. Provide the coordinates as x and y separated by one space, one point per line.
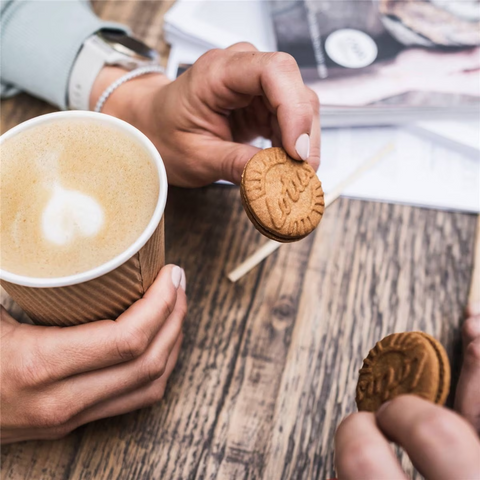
74 194
81 194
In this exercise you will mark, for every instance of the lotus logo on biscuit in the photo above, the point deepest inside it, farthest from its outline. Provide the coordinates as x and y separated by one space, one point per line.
280 208
388 381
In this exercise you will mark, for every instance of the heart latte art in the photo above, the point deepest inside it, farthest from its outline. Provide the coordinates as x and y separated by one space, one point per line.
74 195
70 214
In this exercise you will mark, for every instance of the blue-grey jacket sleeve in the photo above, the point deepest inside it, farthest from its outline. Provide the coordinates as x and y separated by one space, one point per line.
39 42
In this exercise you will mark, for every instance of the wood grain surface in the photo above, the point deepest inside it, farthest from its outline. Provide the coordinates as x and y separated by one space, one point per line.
269 365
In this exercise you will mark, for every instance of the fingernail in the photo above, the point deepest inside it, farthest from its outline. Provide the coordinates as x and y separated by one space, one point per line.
302 146
183 281
383 406
473 309
176 276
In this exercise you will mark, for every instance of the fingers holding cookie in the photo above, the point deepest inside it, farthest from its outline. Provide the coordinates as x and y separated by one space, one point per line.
359 444
292 103
440 443
314 158
276 77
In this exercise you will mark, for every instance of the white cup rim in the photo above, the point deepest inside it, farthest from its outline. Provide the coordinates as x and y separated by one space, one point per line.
120 259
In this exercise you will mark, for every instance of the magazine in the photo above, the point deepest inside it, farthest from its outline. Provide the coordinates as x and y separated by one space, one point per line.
385 61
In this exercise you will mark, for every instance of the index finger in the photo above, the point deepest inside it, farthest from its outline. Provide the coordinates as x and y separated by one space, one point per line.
361 450
277 77
66 351
440 443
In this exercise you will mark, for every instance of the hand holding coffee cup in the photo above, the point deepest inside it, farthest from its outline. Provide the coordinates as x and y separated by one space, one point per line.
56 379
83 196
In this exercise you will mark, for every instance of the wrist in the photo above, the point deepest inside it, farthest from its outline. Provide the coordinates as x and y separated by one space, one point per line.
129 101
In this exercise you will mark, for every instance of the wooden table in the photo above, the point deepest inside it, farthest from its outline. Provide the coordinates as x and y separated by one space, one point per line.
269 365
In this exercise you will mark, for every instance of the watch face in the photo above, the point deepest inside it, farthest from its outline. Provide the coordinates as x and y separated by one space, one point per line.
130 46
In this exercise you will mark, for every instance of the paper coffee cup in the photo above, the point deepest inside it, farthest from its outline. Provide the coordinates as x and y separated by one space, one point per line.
107 290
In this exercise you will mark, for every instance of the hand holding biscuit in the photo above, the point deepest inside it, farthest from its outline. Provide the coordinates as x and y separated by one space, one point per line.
440 443
202 122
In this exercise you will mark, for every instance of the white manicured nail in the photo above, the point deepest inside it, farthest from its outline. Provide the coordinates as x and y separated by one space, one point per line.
183 281
176 276
302 146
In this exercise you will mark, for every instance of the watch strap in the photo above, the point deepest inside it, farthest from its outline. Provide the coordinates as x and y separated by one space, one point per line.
91 59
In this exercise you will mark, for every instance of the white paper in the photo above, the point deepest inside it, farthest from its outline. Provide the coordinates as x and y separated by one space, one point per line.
210 23
419 172
462 135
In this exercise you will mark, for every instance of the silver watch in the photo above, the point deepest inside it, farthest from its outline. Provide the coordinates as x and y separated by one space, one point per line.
107 47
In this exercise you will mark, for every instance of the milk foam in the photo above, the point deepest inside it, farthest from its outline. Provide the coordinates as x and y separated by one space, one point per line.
70 214
74 194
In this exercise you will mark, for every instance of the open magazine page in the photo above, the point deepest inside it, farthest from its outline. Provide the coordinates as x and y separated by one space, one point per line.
386 53
420 172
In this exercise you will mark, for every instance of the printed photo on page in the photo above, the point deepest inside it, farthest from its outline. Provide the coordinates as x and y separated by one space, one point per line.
385 53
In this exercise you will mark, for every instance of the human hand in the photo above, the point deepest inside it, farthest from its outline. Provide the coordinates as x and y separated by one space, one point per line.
202 122
55 379
440 443
467 399
420 69
414 69
434 63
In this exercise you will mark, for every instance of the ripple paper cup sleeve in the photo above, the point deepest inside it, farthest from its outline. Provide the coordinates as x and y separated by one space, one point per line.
109 289
105 297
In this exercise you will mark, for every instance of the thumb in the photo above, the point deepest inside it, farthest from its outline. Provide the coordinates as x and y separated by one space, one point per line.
232 158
